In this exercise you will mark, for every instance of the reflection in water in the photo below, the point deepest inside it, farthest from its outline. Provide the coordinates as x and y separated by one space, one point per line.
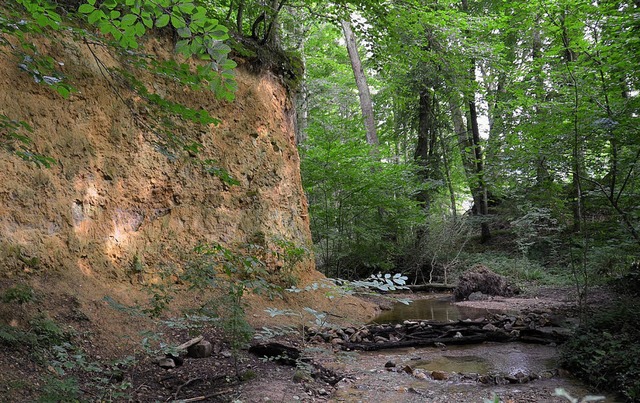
439 308
468 364
505 358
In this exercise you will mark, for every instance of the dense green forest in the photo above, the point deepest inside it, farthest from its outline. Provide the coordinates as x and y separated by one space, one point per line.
518 120
514 126
433 134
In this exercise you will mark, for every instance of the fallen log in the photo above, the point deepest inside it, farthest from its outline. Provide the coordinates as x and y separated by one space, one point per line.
532 327
431 287
431 342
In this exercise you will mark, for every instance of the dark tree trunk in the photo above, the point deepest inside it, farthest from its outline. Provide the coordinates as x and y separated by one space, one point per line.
427 142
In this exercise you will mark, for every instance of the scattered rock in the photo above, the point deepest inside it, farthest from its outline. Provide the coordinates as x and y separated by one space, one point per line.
202 349
490 327
421 375
166 363
439 375
381 339
390 364
477 296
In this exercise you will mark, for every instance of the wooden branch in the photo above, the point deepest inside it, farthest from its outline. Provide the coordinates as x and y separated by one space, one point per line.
190 343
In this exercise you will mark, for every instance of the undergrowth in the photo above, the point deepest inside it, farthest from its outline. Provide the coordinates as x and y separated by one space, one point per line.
519 269
605 351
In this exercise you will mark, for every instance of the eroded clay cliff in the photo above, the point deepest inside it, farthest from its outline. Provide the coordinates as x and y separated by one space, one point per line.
113 200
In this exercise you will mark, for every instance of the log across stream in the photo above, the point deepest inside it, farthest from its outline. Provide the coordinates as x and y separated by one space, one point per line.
529 327
439 359
436 321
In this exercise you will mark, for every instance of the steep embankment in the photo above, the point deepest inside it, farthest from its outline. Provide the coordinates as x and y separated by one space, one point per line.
113 212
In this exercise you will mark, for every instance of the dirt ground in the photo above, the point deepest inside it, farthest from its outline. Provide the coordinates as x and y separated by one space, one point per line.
364 376
237 376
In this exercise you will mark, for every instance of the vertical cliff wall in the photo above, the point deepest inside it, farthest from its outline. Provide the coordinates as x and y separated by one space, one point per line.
113 200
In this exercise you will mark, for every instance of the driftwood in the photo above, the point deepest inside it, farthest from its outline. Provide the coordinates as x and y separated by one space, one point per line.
289 355
431 287
189 343
278 352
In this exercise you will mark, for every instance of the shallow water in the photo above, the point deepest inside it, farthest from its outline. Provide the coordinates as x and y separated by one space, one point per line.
373 382
438 307
508 359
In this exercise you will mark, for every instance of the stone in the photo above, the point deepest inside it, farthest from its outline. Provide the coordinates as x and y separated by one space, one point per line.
477 296
380 339
350 330
390 364
490 327
166 363
439 375
316 339
408 370
202 349
421 375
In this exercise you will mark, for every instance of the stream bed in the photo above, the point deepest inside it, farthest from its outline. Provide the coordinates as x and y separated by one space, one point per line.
516 372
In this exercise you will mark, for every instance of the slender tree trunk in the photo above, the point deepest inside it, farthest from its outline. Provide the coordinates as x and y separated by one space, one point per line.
477 182
361 81
447 175
427 141
542 171
239 16
467 152
480 188
576 153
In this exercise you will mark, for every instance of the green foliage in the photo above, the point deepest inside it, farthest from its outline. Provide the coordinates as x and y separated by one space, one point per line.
606 352
60 390
199 34
106 381
47 331
13 337
20 294
523 271
362 211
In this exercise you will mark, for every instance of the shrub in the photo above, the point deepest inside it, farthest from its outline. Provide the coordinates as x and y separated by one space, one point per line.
606 351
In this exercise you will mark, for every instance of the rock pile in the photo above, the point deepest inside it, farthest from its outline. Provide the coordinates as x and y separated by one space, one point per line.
529 326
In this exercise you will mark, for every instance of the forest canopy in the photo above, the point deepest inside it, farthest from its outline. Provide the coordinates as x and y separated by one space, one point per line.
497 122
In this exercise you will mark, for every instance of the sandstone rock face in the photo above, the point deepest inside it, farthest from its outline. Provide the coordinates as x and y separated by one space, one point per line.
113 203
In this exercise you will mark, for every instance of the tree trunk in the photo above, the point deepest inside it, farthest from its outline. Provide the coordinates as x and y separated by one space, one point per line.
477 182
427 141
363 89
